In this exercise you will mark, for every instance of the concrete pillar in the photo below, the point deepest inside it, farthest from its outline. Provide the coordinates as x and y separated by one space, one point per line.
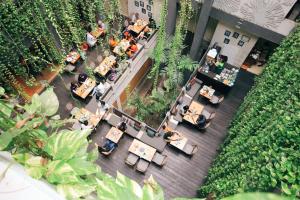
200 29
171 17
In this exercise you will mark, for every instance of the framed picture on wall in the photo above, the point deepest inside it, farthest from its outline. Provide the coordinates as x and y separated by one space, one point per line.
235 35
150 14
227 33
148 7
226 41
241 43
136 3
150 2
143 10
141 3
245 38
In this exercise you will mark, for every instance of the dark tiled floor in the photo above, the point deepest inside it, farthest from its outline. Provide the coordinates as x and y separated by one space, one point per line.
182 175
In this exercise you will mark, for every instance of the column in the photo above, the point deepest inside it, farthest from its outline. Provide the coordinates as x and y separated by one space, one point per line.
200 29
171 17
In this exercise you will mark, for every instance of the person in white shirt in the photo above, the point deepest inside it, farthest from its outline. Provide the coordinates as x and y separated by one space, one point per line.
103 107
99 89
90 39
101 25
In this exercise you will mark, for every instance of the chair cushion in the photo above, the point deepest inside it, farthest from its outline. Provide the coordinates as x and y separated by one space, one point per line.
142 165
132 159
158 159
188 149
150 132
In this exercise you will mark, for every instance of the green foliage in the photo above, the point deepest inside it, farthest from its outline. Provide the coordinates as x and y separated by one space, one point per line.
261 152
124 188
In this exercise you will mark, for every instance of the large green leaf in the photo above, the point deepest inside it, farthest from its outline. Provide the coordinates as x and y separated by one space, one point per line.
49 102
152 191
65 144
35 106
75 191
82 167
2 91
110 190
60 172
129 184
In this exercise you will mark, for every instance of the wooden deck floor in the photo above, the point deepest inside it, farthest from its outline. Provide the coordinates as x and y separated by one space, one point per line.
182 175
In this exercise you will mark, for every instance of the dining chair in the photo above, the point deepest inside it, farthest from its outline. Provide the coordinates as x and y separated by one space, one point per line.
190 149
159 159
131 159
142 165
106 153
221 99
208 115
206 126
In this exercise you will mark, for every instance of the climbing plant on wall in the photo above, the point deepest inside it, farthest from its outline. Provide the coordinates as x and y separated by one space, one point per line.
261 151
158 54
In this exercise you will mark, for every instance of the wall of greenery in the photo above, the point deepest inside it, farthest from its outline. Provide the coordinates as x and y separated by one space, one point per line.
261 151
36 34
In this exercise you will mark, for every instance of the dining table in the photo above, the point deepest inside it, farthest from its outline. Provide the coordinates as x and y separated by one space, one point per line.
122 47
97 32
114 135
73 57
104 67
138 26
93 119
85 88
142 150
207 92
195 109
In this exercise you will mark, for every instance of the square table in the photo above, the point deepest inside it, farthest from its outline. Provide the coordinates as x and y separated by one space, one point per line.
73 57
85 88
195 109
97 32
142 150
122 47
105 65
93 119
207 92
139 26
114 134
179 144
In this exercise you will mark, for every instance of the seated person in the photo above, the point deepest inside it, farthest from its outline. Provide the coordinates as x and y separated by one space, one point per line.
103 106
134 17
152 23
112 42
99 90
183 110
126 23
122 126
74 87
201 121
112 75
127 36
82 78
219 66
132 49
90 39
85 125
107 146
171 135
101 25
144 34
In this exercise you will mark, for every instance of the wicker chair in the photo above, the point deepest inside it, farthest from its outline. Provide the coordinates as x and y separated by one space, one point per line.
142 166
159 159
131 159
